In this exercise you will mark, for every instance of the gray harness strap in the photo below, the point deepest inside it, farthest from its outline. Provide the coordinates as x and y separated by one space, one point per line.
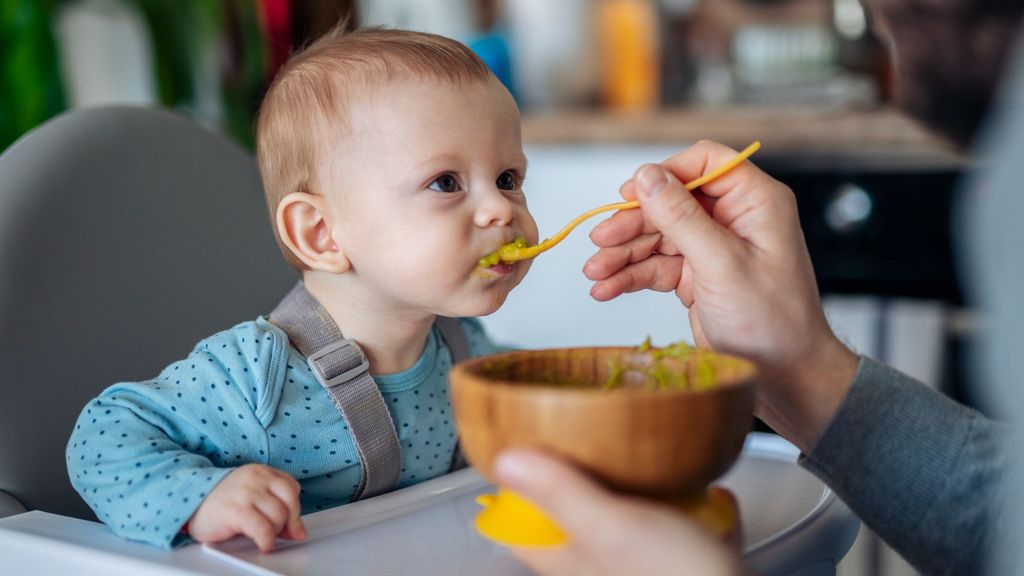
455 338
340 366
342 369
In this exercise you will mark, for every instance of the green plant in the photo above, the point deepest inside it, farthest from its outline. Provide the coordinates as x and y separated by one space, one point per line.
30 83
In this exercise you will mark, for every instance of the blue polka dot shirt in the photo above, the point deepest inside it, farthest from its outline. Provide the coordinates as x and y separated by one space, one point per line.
143 455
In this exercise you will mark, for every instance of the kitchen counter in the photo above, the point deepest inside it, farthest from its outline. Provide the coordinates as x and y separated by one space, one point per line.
875 139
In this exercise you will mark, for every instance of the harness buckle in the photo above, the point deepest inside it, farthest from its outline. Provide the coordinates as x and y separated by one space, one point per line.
351 364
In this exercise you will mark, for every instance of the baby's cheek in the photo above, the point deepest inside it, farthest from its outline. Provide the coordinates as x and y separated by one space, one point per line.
529 228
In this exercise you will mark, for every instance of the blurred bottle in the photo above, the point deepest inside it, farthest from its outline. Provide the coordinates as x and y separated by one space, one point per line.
678 64
785 63
628 31
105 54
30 83
452 18
491 45
860 50
554 60
492 48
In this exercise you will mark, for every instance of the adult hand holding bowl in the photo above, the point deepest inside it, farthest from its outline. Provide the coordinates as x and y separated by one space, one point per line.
643 437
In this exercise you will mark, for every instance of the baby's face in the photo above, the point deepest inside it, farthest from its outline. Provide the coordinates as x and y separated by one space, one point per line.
425 181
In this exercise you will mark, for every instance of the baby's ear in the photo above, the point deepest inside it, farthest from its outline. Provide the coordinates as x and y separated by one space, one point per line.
304 228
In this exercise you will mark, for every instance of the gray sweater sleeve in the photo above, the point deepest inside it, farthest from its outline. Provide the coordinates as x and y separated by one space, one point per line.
919 469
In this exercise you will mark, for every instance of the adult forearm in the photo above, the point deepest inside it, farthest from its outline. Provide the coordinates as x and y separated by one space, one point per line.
919 469
800 400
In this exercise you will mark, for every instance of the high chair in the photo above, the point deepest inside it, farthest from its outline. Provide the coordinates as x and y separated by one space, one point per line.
126 235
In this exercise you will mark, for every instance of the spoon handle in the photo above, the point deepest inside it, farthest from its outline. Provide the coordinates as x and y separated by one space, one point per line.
691 185
724 168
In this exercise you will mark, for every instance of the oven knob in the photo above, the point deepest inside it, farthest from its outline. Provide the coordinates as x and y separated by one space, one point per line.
849 208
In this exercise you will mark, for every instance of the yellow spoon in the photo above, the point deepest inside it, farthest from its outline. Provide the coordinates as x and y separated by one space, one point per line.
518 250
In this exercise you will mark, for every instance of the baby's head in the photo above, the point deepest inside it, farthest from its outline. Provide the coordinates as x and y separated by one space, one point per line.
392 162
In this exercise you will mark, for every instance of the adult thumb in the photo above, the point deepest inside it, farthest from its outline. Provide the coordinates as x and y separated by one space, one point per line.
573 500
678 215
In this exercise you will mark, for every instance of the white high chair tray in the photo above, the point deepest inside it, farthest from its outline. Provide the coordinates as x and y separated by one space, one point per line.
790 520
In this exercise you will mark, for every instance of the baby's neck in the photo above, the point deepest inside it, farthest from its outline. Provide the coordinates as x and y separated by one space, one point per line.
392 339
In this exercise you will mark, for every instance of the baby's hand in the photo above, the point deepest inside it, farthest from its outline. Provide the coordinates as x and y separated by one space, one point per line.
255 500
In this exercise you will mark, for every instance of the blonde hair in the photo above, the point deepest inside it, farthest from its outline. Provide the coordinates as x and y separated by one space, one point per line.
306 102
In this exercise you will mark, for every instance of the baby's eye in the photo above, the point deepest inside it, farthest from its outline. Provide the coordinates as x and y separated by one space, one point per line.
445 183
508 180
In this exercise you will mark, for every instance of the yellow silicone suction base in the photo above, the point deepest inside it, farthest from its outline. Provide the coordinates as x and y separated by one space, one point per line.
717 511
509 519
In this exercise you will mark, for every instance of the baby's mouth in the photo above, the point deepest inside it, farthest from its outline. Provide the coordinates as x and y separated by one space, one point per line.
501 268
492 264
504 255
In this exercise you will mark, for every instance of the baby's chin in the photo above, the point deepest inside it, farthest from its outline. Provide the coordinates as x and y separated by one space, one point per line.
495 306
497 299
491 298
480 305
490 305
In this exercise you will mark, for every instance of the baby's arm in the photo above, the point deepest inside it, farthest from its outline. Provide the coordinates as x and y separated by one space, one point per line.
255 500
144 455
131 459
136 469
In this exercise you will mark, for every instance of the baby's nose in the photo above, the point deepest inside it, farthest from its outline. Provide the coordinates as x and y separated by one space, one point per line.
494 210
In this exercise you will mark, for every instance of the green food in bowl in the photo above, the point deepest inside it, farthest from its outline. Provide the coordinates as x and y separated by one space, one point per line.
678 366
666 369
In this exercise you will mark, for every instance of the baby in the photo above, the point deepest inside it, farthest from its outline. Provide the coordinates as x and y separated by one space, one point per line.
392 162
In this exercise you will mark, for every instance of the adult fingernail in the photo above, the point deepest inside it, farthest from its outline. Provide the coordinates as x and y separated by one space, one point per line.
651 180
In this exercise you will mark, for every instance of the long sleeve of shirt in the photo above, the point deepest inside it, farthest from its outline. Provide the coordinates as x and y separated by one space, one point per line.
920 470
144 454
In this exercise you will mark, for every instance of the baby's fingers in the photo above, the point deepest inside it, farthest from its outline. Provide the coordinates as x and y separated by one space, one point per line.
274 510
295 530
258 527
286 489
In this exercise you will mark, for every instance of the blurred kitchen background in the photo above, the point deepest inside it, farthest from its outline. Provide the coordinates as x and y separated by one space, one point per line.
604 85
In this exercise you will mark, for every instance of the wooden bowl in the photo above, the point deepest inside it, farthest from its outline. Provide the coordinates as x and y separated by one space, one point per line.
656 443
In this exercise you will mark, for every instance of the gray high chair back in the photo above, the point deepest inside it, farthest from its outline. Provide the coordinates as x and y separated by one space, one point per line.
126 236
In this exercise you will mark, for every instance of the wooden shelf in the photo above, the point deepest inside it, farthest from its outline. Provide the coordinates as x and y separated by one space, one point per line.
876 134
